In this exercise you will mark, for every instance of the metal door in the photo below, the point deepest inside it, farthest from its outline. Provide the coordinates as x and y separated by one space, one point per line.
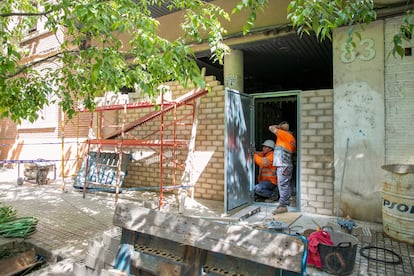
238 156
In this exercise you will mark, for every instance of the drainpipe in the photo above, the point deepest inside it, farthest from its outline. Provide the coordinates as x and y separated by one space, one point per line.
233 70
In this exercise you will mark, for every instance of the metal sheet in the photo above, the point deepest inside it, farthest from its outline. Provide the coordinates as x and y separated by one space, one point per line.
238 159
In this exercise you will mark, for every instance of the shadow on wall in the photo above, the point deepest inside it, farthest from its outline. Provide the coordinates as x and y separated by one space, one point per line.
16 150
75 158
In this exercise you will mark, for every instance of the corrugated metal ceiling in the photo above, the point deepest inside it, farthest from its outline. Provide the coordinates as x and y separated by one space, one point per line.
281 63
278 63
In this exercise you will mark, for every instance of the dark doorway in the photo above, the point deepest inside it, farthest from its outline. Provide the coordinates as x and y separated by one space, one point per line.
270 109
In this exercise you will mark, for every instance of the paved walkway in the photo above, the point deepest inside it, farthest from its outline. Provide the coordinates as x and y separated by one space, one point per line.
68 221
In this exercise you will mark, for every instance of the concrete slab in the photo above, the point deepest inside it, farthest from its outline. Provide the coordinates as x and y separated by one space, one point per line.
68 221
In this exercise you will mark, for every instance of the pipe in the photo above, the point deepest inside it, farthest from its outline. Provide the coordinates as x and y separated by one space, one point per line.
63 150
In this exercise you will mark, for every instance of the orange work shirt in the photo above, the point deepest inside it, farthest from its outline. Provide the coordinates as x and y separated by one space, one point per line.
286 140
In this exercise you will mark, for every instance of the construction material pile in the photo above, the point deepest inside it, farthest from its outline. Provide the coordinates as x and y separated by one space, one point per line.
12 226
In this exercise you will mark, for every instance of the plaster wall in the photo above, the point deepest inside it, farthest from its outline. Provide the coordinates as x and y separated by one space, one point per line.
274 15
359 116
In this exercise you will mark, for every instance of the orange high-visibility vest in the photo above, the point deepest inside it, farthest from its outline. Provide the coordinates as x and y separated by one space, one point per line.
266 170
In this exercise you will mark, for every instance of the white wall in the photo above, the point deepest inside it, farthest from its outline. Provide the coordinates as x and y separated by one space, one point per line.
359 116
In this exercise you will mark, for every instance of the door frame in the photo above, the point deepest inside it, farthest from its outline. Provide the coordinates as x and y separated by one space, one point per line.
278 94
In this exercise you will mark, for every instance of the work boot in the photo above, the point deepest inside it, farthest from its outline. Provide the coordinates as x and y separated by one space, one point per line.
280 210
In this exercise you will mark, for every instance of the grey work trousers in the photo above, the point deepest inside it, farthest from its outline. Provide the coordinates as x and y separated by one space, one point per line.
284 176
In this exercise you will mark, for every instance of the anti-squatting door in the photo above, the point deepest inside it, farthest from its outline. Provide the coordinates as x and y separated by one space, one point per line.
238 156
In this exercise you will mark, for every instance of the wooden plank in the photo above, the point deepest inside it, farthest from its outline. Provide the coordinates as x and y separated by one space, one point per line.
277 250
289 218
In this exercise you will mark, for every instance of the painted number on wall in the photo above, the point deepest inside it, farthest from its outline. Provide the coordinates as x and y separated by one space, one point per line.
365 51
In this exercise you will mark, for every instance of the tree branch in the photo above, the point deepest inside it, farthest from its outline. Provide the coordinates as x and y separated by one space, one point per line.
43 59
25 14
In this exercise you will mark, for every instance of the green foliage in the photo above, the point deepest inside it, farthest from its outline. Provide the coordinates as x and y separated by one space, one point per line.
91 58
405 34
323 16
7 213
253 6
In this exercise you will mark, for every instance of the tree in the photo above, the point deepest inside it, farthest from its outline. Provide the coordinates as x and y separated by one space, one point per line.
91 58
323 17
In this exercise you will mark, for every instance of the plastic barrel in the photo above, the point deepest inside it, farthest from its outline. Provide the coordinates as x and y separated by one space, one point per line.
398 202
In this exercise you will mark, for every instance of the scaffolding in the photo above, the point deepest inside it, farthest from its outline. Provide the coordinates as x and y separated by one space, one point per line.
98 169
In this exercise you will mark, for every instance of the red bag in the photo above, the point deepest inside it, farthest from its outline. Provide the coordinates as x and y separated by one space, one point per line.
314 239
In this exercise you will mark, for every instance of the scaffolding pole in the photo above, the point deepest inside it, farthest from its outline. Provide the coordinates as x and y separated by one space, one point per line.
193 98
63 149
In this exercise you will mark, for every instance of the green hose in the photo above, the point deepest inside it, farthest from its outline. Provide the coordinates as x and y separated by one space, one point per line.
19 227
12 226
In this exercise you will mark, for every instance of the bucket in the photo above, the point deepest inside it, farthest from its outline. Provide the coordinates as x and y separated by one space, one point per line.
339 258
398 202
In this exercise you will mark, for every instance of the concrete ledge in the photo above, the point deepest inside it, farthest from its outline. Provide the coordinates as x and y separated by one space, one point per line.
273 249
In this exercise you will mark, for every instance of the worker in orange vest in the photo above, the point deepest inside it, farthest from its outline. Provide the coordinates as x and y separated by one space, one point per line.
266 189
284 149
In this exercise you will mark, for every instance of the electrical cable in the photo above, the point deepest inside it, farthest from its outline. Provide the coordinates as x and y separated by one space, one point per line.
398 261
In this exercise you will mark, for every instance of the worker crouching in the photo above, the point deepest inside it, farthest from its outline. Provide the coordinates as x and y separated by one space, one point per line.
266 189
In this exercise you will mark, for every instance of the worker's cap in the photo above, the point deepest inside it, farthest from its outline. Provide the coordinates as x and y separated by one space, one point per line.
269 143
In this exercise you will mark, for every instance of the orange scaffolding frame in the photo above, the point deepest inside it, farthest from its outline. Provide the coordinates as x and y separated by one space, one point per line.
117 137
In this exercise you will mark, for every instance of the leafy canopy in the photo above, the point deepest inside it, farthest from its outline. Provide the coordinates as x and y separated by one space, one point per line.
322 17
91 59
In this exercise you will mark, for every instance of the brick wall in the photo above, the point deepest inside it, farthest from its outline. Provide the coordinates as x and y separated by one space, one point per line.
209 142
316 152
8 136
76 127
